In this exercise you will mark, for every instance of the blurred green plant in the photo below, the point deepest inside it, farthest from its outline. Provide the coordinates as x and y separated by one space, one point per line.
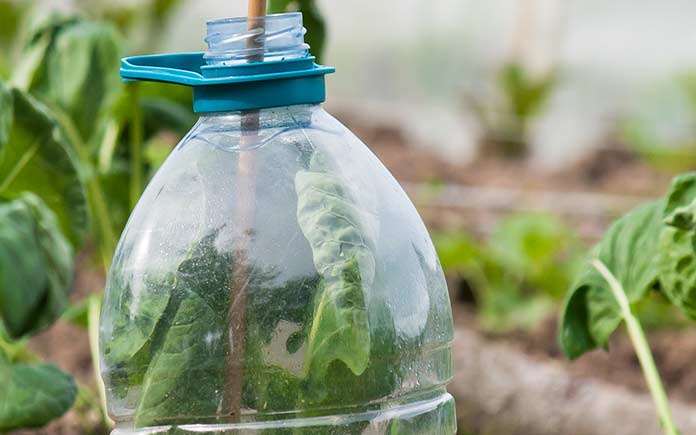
71 65
313 21
11 12
143 21
76 148
42 217
662 127
509 106
518 274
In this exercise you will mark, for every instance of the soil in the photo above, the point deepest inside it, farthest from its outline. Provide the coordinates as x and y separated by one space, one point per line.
611 170
674 352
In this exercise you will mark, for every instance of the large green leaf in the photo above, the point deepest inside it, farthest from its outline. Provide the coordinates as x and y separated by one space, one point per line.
82 74
22 281
133 329
677 261
72 64
630 252
129 346
680 209
35 266
36 157
38 39
343 256
678 243
33 395
184 377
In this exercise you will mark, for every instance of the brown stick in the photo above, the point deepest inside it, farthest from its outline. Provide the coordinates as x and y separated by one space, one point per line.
256 9
246 206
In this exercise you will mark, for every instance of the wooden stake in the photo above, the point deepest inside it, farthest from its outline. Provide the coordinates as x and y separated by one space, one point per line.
246 207
257 8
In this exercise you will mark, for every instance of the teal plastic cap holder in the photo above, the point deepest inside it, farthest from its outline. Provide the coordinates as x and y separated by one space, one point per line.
224 80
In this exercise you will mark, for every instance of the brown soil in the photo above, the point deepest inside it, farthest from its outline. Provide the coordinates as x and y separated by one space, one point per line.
674 352
612 169
608 171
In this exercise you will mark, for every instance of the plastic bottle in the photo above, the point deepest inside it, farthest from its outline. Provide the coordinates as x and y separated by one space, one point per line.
274 278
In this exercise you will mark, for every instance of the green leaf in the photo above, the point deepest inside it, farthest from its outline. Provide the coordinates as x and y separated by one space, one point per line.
630 252
343 256
280 6
33 395
271 388
458 252
37 41
527 263
82 75
35 266
37 158
677 261
72 65
677 244
133 329
314 22
681 202
525 95
184 377
537 250
184 374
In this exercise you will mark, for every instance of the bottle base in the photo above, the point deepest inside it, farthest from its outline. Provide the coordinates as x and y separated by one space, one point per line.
434 416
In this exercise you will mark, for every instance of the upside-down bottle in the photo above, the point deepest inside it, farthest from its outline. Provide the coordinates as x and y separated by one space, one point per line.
274 278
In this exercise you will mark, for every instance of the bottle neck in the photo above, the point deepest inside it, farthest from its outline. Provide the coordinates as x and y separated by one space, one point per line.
248 66
258 63
234 41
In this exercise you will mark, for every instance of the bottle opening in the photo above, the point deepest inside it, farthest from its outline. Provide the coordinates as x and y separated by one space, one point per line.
233 41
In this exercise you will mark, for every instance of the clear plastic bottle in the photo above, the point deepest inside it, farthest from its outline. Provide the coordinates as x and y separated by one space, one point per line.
274 278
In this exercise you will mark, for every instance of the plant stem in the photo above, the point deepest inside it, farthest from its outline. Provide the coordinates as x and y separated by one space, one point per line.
640 344
93 314
17 351
99 209
136 145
